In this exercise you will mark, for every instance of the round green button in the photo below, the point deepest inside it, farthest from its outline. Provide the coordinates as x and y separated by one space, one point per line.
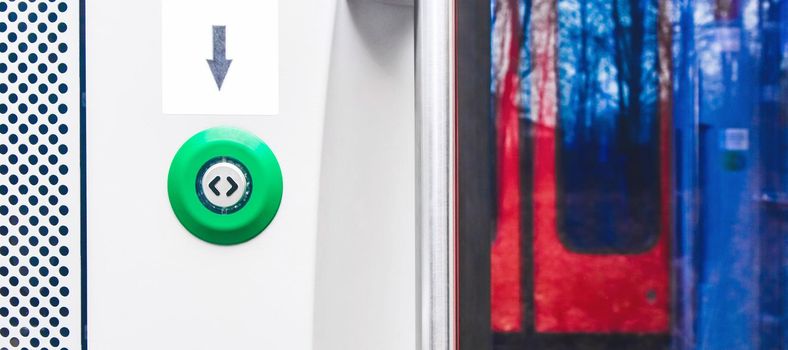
264 197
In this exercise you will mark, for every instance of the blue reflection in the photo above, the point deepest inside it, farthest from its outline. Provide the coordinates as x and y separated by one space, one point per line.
731 151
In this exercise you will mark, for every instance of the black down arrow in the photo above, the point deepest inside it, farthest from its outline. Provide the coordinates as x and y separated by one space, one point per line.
219 64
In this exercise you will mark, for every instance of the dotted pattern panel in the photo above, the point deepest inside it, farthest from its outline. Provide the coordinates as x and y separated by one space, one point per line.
39 175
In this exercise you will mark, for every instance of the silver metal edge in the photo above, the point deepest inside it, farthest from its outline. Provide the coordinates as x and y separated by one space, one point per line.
434 173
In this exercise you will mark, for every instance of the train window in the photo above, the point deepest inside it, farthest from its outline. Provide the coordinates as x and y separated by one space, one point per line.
598 146
622 174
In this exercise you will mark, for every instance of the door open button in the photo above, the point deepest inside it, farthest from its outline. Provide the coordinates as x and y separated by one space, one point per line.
224 185
210 185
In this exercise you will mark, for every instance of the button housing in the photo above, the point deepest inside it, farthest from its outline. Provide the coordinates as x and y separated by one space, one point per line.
206 202
224 185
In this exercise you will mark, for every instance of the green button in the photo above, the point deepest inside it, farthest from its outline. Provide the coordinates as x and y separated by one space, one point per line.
225 185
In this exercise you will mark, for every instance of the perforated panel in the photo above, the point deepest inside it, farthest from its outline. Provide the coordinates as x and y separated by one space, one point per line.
40 274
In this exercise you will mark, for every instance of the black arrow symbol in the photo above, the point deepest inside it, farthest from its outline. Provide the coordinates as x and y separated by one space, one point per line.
219 64
233 186
212 185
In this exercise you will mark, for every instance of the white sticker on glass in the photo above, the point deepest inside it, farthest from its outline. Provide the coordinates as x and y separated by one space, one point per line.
736 139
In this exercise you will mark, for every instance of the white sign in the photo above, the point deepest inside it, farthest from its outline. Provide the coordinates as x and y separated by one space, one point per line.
220 57
736 139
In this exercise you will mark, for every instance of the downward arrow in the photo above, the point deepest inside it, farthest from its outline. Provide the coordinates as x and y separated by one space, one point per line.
219 64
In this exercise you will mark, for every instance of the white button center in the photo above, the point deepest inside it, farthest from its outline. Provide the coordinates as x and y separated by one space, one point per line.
224 184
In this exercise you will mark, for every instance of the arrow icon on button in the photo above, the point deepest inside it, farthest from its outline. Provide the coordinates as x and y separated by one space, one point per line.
212 185
219 64
233 186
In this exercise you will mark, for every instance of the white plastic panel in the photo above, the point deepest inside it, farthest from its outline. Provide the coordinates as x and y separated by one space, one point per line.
366 246
152 284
